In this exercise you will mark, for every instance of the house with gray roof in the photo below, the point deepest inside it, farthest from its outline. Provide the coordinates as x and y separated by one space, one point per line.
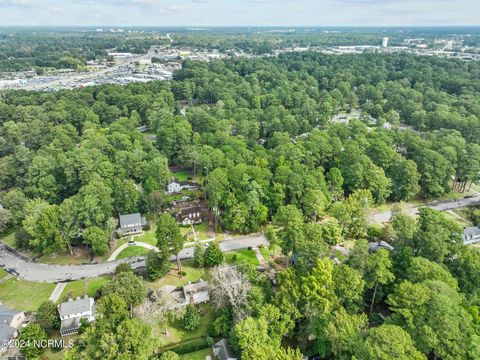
471 235
131 224
223 351
192 293
72 311
374 246
10 322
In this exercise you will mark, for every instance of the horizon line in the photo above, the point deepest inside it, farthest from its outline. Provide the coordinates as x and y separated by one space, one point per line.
240 26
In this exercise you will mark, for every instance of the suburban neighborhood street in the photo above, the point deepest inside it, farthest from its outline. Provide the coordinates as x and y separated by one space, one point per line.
57 273
382 217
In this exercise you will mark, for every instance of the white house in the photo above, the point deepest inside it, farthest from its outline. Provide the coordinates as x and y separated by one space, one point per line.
174 187
72 311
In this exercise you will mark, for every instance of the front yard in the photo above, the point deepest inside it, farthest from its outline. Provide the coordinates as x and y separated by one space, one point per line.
173 278
24 295
76 288
242 256
133 251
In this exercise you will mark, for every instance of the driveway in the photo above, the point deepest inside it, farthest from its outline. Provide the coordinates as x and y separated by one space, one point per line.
58 273
126 245
385 216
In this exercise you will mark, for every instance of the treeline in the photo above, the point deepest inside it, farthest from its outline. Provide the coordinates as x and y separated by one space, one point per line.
418 301
261 134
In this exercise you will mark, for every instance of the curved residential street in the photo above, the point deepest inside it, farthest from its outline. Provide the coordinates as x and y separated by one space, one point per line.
381 217
58 273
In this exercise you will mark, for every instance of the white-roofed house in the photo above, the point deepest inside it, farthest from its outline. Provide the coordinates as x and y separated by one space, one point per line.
72 311
131 224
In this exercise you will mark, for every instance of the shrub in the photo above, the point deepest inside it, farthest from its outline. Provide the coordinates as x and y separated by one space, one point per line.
209 340
169 355
199 255
213 255
47 316
191 318
123 267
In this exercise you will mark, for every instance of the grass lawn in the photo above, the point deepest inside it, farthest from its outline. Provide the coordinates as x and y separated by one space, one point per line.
75 288
460 216
241 256
148 236
49 354
172 197
267 253
182 175
201 230
132 251
178 334
197 355
24 295
3 273
172 278
64 259
9 238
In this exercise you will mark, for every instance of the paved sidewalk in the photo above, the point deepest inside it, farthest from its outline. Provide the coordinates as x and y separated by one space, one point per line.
57 292
260 258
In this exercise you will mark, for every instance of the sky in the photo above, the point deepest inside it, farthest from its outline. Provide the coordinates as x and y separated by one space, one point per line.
240 12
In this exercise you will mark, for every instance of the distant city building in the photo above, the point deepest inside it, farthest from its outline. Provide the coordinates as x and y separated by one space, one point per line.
72 311
131 224
385 42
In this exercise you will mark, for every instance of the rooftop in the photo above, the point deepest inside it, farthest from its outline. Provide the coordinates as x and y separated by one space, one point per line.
222 350
6 332
471 235
78 306
130 220
6 315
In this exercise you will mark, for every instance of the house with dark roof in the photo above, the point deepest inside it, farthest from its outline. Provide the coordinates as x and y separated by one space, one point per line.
10 322
72 311
192 215
223 351
471 235
132 224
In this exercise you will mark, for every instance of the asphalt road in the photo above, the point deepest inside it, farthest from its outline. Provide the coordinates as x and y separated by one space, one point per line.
58 273
385 216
